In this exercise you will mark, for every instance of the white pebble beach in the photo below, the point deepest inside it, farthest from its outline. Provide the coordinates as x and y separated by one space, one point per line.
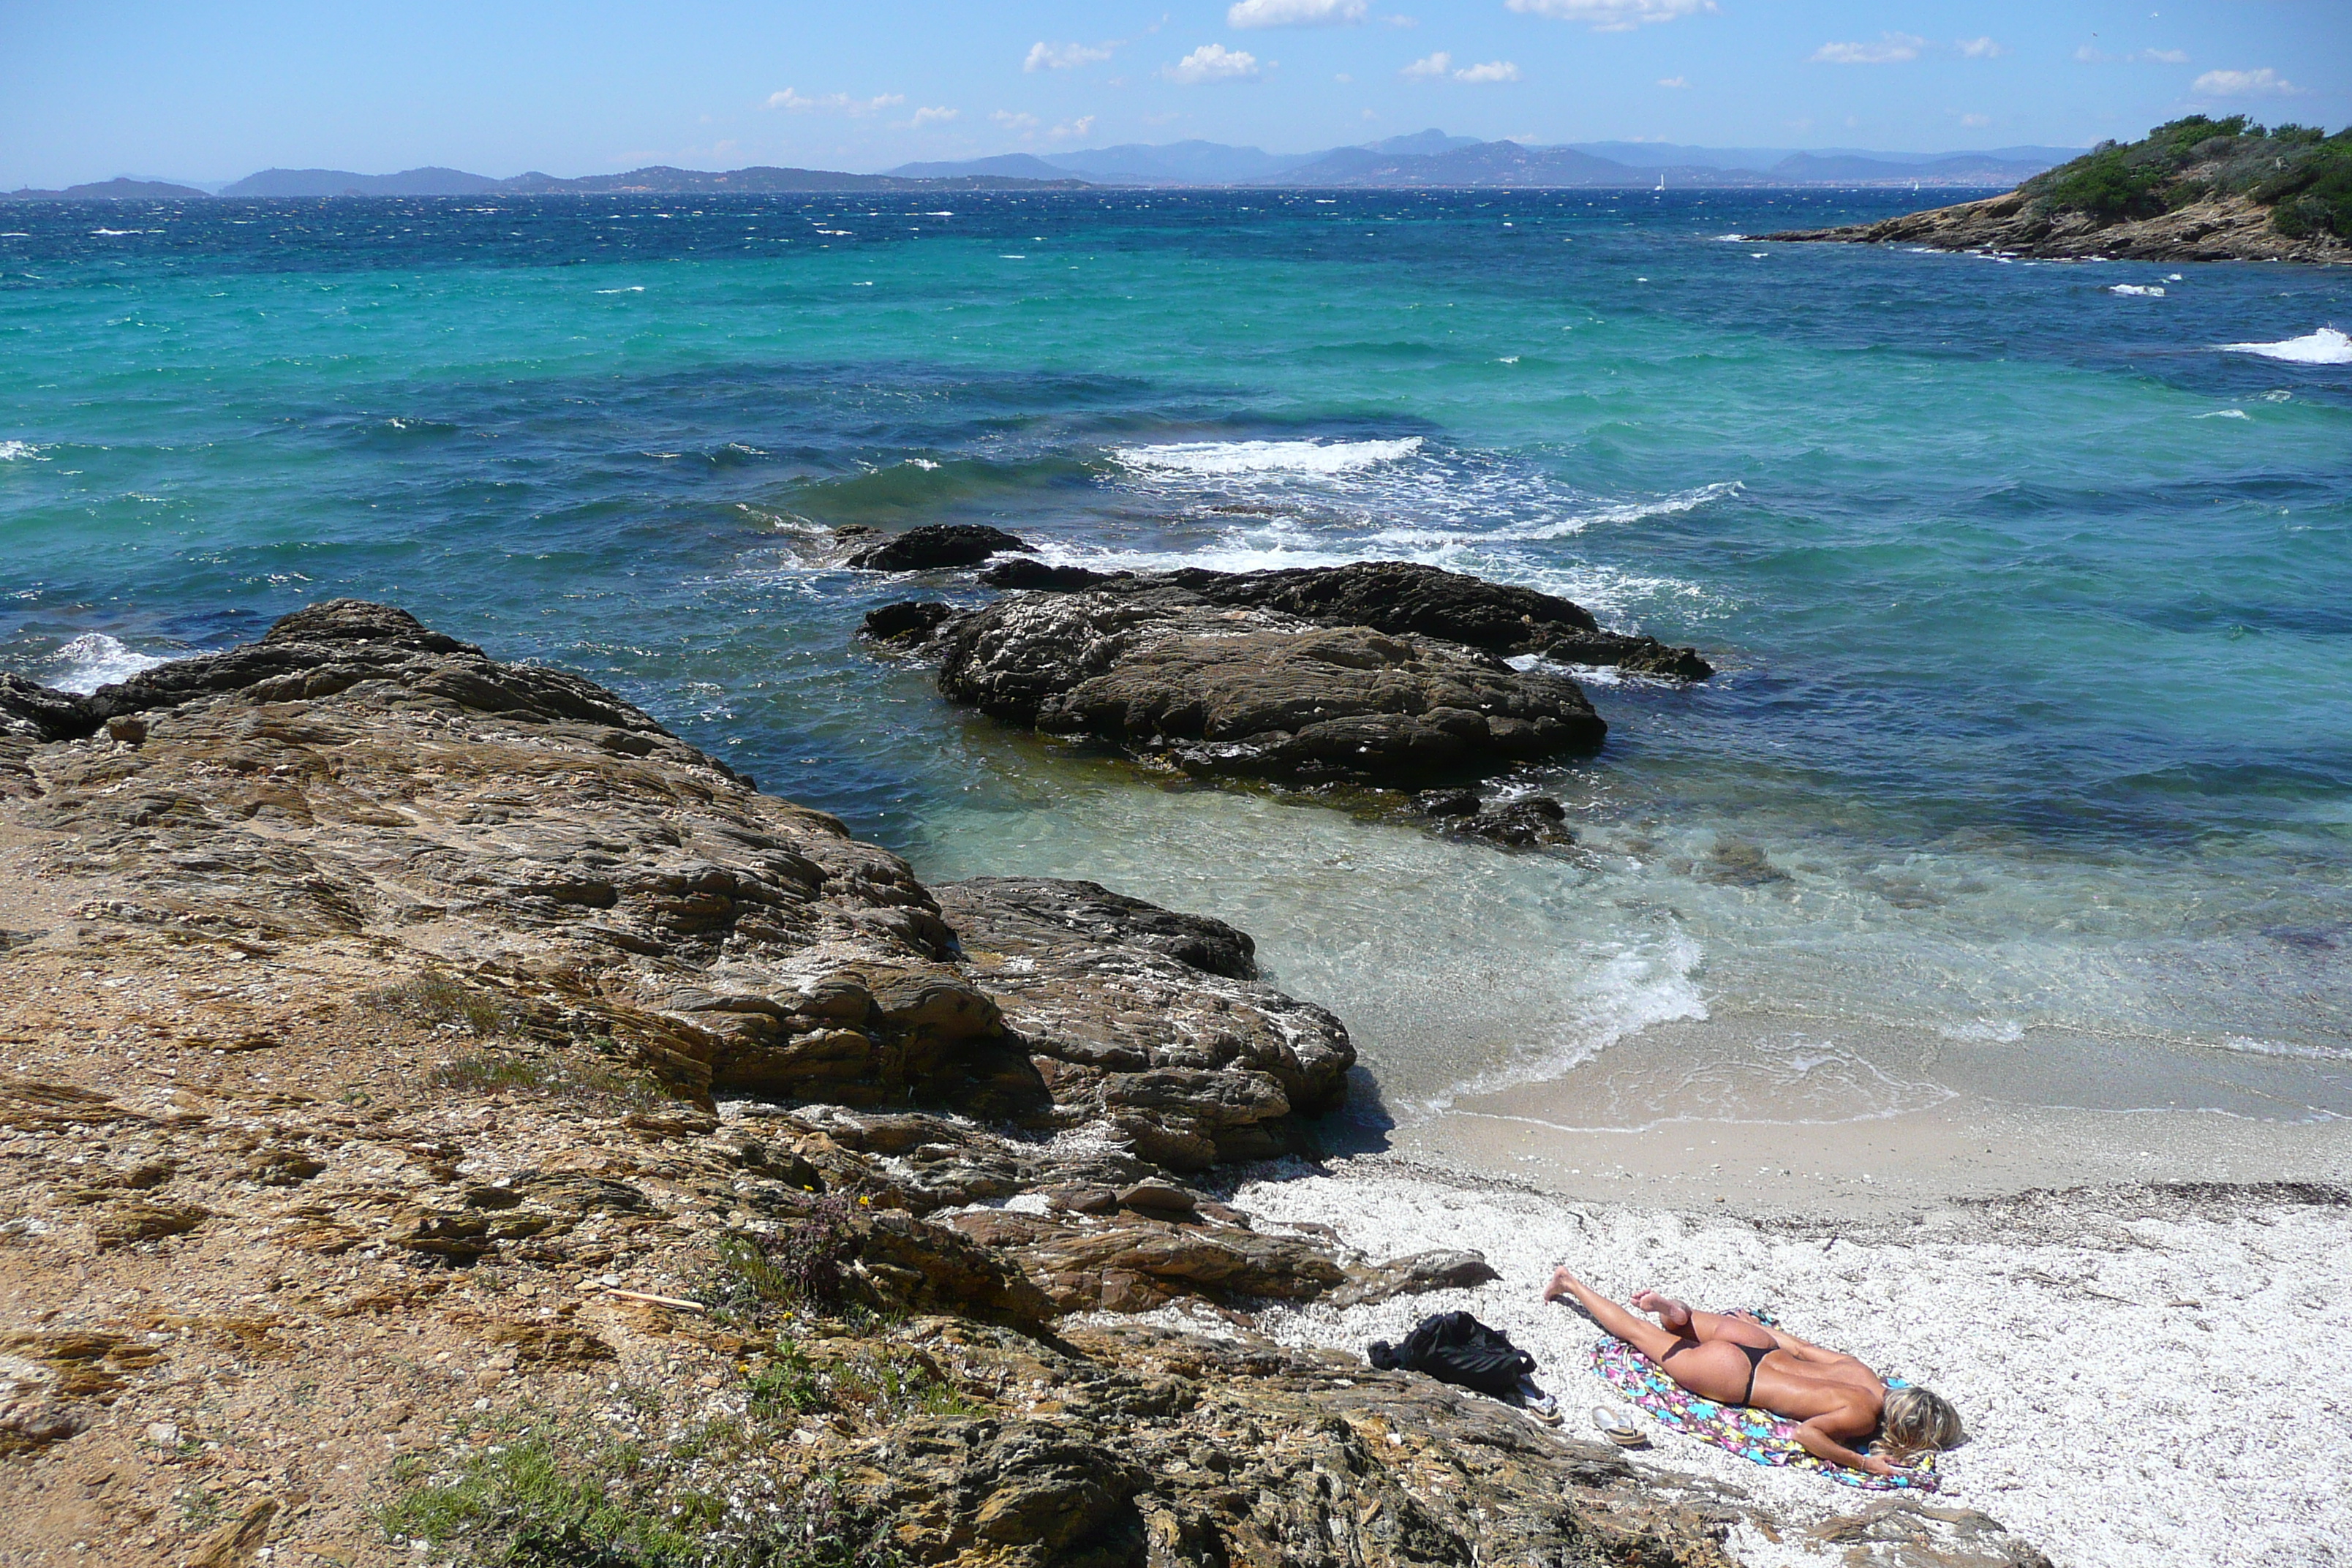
2150 1377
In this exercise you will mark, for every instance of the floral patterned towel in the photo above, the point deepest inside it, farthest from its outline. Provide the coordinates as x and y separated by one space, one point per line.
1750 1433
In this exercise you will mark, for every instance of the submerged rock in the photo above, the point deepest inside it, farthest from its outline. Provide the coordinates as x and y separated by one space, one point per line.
1527 820
908 621
1022 573
935 545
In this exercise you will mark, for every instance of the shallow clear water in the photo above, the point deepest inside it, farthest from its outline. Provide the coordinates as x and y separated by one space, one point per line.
2034 732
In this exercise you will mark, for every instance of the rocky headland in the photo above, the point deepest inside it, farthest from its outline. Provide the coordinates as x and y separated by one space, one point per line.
2191 190
449 1118
2225 228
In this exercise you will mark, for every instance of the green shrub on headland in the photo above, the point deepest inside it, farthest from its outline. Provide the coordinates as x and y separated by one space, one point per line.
2302 174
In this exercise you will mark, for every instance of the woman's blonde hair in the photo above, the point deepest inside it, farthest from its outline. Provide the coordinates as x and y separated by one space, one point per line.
1915 1421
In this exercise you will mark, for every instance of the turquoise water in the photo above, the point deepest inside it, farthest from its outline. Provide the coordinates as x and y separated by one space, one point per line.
2035 733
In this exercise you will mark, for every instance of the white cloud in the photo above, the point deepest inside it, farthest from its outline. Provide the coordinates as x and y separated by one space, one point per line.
1673 82
1612 15
1975 122
2263 83
1979 48
1084 125
1294 13
1492 71
1892 48
1428 67
1343 77
2092 55
939 116
1212 62
833 103
1045 57
1012 122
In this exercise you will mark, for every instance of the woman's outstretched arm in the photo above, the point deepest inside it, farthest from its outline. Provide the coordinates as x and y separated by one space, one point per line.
1815 1436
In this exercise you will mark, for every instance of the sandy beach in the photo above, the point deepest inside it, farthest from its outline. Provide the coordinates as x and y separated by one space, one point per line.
2149 1373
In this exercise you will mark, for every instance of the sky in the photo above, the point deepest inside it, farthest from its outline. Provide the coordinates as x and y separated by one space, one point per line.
93 89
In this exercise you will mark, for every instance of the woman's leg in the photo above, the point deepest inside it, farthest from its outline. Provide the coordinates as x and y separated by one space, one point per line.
1680 1318
1717 1372
1638 1331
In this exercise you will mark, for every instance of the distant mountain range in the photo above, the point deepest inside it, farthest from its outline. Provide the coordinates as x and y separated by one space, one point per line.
1433 159
1426 160
659 180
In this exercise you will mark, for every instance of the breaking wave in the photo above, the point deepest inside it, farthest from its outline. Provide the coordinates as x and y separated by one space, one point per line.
1267 458
2329 345
94 659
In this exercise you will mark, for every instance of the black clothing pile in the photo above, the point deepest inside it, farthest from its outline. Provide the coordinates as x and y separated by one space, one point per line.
1455 1347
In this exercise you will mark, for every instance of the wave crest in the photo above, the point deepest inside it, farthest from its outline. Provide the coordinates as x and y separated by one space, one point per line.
1267 458
94 659
2329 345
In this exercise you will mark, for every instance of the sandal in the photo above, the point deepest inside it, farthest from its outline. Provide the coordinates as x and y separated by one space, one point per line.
1618 1428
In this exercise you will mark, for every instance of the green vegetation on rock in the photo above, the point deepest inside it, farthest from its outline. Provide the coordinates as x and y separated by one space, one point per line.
574 1498
2302 174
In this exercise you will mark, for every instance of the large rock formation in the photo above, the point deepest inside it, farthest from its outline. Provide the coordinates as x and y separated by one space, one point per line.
1404 598
425 1076
1255 693
1388 673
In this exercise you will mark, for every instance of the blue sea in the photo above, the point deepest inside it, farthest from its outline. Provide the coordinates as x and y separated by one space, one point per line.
2031 751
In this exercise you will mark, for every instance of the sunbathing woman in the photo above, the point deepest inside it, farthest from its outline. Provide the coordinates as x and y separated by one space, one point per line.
1836 1398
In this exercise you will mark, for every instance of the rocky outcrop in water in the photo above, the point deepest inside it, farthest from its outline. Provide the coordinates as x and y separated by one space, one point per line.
928 547
1403 598
1255 693
1387 674
420 1069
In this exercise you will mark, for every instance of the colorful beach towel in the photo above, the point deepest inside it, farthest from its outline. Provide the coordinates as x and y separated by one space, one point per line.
1741 1430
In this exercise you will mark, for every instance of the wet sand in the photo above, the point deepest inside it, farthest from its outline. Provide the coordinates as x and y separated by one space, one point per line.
1770 1126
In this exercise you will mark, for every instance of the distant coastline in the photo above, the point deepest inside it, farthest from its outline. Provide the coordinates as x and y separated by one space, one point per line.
1429 160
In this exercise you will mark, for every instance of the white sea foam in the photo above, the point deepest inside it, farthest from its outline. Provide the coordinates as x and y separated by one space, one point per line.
1622 512
632 288
1267 458
1623 988
14 451
2147 290
1985 1032
2223 414
94 659
2329 345
2246 1045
